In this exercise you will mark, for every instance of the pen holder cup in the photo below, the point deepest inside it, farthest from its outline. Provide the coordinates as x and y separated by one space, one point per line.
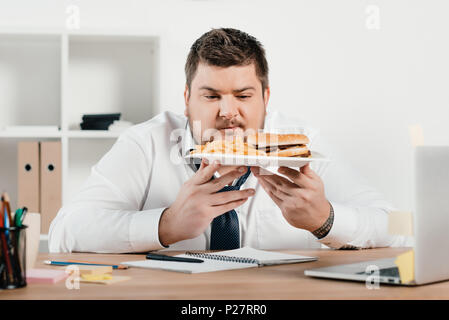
13 257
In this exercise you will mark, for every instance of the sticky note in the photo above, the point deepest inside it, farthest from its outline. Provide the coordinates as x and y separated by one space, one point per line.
406 265
45 275
93 270
416 135
105 276
112 280
400 223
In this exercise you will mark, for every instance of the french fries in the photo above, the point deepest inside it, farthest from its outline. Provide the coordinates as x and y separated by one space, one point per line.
235 146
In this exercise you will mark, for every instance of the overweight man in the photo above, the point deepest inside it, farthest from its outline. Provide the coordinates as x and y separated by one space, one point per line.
142 196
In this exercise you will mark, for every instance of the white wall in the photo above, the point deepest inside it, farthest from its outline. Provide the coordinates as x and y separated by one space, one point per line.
361 87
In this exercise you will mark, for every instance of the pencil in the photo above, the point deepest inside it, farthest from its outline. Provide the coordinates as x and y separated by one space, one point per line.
5 244
5 198
88 263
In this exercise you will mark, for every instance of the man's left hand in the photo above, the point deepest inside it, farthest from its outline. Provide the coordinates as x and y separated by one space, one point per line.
301 200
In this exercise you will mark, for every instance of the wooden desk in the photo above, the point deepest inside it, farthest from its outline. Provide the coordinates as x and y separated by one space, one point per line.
274 282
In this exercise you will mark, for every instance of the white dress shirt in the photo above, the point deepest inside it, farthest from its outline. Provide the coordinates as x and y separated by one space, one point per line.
119 207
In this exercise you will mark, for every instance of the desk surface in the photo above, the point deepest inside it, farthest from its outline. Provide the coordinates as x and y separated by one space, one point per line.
273 282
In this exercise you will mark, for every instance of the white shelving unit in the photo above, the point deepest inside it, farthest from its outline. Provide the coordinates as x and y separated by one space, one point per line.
52 78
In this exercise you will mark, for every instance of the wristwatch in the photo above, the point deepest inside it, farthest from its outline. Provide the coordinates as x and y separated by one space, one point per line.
322 231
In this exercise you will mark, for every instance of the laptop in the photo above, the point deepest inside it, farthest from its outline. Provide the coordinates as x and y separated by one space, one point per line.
431 228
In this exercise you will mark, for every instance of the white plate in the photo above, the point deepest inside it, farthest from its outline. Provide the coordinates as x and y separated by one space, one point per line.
258 161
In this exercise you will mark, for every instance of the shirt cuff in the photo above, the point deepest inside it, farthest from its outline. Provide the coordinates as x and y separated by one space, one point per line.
343 229
144 230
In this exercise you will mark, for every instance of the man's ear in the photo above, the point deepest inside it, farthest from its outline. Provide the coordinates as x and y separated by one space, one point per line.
186 100
266 96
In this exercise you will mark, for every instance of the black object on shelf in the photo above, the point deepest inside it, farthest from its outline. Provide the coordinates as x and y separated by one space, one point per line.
99 121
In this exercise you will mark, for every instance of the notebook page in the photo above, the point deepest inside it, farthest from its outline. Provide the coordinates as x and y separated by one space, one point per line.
266 257
186 267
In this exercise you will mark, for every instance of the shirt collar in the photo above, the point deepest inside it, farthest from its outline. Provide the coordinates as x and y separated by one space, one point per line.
188 140
186 145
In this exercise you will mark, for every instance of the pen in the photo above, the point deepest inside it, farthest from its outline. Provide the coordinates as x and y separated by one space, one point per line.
18 221
5 199
4 242
66 263
17 217
20 216
24 213
162 257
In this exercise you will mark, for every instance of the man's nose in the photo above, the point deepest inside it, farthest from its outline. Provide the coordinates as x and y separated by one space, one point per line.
228 107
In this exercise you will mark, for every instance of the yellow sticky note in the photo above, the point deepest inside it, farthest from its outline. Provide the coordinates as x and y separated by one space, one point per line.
400 223
94 277
112 280
406 265
416 135
93 270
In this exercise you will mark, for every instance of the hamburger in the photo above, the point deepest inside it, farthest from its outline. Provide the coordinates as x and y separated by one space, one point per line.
280 145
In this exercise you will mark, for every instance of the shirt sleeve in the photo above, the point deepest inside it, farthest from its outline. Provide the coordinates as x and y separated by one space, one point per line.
360 211
106 215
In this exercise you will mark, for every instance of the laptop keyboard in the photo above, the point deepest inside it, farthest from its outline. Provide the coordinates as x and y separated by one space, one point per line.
386 272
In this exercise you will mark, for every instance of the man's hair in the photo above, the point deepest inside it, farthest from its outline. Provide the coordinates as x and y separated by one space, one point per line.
226 47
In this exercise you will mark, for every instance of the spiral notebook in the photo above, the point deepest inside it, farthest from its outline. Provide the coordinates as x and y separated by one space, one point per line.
242 258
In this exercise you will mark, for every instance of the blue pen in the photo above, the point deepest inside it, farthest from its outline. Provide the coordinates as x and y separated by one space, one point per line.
66 263
6 224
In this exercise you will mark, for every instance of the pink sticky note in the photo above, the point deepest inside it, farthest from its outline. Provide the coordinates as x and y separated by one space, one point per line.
45 275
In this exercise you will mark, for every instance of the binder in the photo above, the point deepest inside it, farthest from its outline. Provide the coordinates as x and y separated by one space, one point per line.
28 168
51 182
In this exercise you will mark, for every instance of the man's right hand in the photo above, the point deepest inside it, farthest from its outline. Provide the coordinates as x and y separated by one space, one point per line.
199 202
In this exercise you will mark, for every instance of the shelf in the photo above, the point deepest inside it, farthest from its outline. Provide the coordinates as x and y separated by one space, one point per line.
111 74
94 134
30 134
80 134
52 77
103 37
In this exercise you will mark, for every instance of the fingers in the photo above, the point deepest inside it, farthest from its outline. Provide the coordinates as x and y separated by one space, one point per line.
255 171
308 171
270 192
218 184
277 181
280 182
230 196
204 163
280 191
220 209
205 172
297 177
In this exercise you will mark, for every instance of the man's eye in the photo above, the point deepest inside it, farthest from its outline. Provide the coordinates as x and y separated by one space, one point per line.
243 97
212 97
